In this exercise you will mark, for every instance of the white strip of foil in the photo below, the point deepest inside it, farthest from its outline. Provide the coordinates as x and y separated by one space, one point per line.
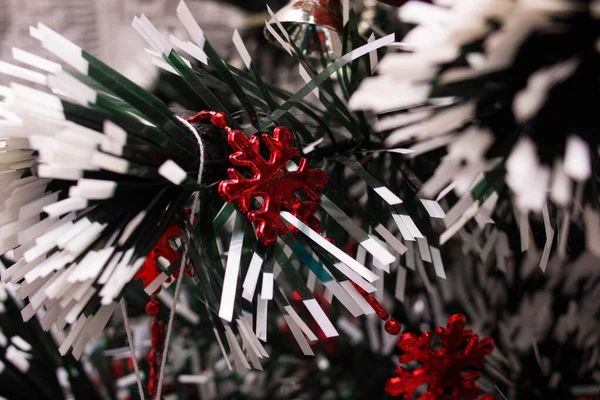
261 350
400 284
305 329
232 270
402 227
297 333
373 333
191 49
337 253
266 291
249 285
262 306
433 208
388 196
357 297
191 26
281 28
353 276
307 78
465 217
549 238
241 48
524 230
373 59
354 332
239 359
424 249
365 240
181 308
283 44
251 350
223 352
345 11
336 289
438 265
390 239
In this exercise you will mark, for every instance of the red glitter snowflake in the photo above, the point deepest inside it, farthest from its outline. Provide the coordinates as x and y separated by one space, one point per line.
151 270
442 369
166 247
272 182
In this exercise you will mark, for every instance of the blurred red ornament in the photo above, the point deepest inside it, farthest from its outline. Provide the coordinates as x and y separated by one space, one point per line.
167 248
444 367
373 302
118 369
392 326
272 182
219 120
150 270
157 334
152 308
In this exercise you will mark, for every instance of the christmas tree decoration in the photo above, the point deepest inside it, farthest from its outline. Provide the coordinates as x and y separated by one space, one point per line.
164 252
444 367
99 174
157 336
272 181
265 226
314 26
494 82
30 365
391 326
276 188
542 323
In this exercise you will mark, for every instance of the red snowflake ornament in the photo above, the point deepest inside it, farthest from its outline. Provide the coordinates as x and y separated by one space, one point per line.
273 182
442 368
165 247
150 270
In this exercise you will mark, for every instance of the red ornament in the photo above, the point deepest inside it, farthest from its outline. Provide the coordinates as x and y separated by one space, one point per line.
443 367
152 308
157 333
219 120
373 302
204 114
273 182
392 326
166 247
150 270
118 369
